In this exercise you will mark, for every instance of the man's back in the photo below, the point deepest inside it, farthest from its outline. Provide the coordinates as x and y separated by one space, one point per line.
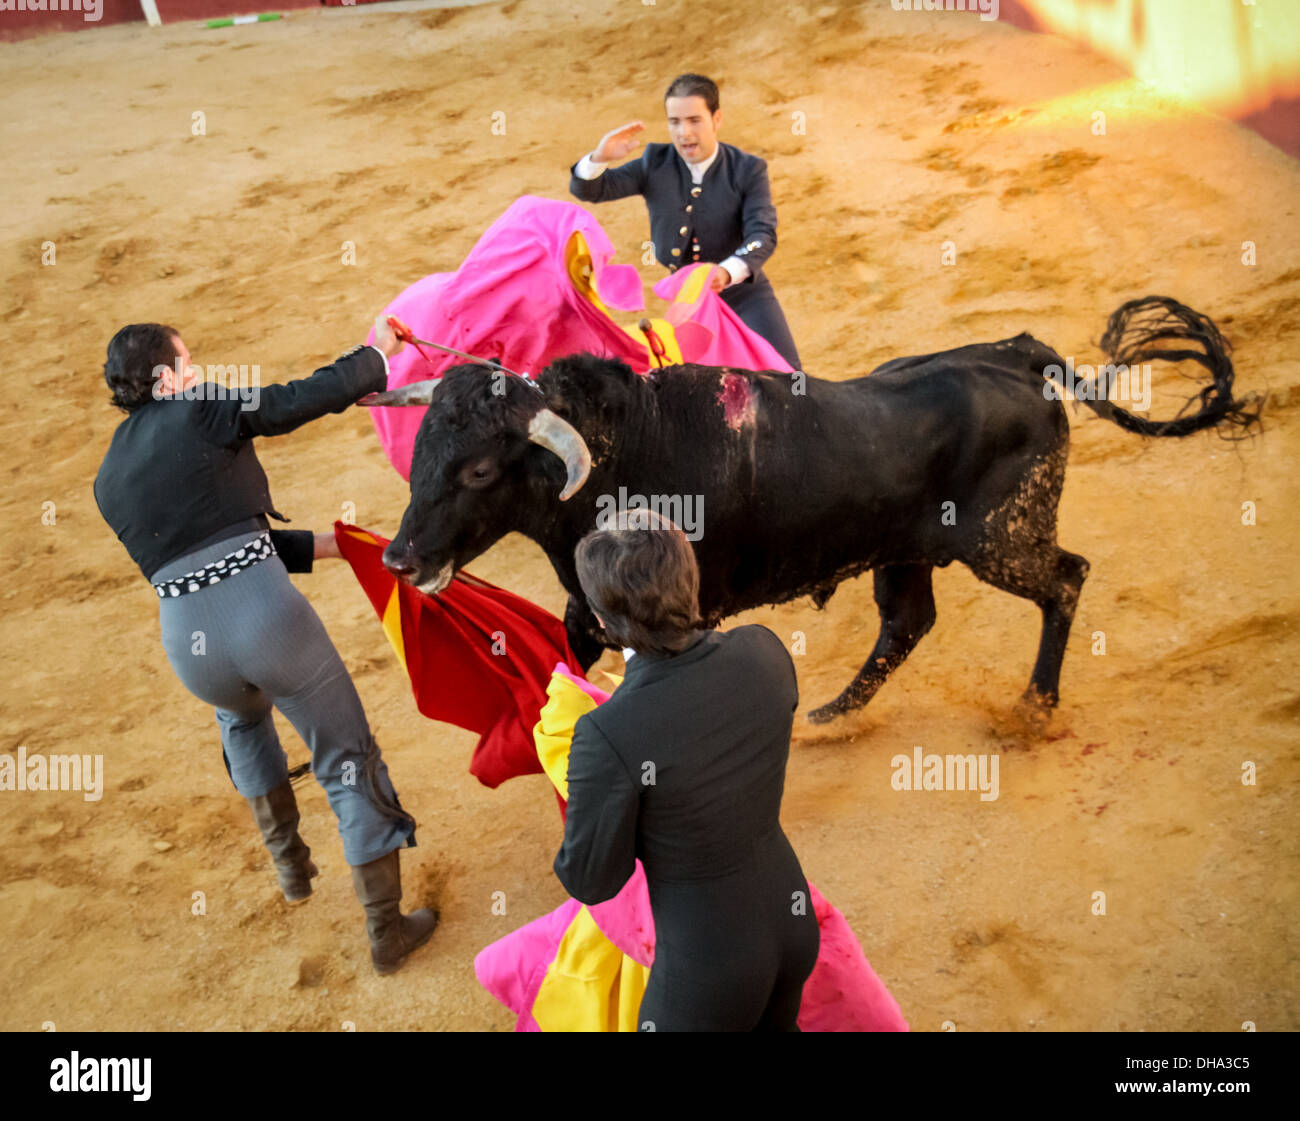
706 735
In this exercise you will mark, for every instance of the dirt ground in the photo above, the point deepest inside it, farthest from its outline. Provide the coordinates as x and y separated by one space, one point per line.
376 128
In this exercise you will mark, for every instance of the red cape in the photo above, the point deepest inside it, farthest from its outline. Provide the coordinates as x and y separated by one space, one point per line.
478 656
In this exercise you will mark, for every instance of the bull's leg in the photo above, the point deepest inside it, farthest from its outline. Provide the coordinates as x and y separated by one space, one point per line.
1058 615
1052 578
905 598
1017 552
583 632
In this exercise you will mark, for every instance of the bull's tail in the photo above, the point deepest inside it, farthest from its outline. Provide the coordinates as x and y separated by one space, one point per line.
1150 328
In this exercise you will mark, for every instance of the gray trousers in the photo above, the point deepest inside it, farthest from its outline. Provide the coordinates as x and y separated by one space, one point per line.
252 643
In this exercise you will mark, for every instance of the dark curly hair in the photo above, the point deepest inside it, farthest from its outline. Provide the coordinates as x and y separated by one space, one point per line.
133 355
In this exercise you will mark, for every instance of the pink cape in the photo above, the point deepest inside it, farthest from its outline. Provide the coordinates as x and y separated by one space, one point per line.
512 299
710 333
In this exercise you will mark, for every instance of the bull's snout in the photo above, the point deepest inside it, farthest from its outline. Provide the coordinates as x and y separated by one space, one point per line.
403 563
399 562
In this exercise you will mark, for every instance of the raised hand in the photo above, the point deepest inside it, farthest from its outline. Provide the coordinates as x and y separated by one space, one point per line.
618 143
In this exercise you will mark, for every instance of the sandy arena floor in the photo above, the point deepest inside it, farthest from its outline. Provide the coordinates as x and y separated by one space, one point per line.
375 127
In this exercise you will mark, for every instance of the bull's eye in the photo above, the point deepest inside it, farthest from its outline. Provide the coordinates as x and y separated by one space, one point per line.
480 473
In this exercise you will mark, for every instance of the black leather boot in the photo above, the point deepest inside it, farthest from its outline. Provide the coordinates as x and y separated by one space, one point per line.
393 936
277 817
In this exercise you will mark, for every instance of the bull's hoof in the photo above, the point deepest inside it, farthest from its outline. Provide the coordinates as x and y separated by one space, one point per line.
827 713
855 696
1034 709
1032 698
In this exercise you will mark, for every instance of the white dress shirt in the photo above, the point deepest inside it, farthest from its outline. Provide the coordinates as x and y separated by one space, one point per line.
589 168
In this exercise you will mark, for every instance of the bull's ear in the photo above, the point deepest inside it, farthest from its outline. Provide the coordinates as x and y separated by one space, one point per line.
417 393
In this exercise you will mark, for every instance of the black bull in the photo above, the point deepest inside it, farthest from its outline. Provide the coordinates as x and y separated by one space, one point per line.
802 483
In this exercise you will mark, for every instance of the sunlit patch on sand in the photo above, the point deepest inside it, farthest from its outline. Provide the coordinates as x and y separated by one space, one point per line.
1232 58
1131 99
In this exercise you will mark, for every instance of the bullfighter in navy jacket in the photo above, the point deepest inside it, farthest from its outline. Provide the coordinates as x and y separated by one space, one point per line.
707 201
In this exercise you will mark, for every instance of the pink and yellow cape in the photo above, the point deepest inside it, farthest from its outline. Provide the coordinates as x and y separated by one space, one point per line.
539 284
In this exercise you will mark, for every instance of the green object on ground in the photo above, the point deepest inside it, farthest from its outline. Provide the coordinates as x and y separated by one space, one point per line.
231 21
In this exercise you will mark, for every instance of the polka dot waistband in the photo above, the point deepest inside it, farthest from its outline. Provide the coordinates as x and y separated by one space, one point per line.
259 549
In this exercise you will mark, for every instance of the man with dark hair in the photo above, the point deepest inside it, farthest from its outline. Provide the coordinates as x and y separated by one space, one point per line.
643 587
684 767
133 354
708 202
182 488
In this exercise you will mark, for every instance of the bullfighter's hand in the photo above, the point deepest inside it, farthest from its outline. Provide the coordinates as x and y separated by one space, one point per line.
386 338
719 278
618 143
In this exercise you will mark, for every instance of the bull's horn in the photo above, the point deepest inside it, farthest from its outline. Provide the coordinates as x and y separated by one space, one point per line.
417 393
555 435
